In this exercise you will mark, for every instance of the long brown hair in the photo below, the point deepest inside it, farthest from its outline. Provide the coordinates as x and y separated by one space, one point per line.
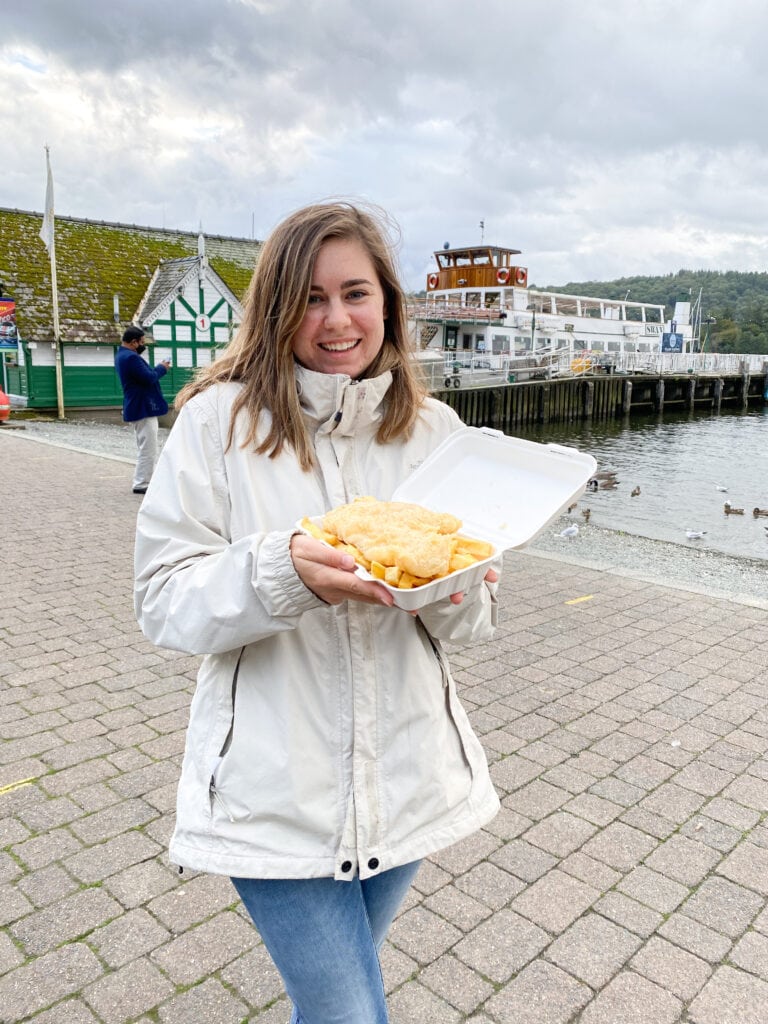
260 356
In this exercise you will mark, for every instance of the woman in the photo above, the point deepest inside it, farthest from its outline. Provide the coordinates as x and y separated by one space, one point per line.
327 752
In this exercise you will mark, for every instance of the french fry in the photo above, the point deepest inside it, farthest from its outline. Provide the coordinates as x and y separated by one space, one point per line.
470 546
315 531
378 571
392 575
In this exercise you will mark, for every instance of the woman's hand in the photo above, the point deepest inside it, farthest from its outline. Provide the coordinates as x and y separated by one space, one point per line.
490 577
330 574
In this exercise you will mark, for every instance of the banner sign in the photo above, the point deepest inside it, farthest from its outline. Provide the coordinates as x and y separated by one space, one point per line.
671 342
8 336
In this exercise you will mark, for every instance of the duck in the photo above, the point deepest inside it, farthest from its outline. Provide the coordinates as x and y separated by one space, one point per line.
603 478
759 512
731 511
634 492
587 512
607 485
572 507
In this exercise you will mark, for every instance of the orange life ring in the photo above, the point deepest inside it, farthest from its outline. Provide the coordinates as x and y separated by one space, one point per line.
502 275
432 280
521 276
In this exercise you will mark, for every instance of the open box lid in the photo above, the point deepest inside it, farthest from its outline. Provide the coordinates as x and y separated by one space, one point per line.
504 489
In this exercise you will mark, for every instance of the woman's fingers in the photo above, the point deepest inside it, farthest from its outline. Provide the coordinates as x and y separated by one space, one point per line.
330 573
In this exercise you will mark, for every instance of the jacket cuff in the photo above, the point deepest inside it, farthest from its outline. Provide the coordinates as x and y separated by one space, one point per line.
275 578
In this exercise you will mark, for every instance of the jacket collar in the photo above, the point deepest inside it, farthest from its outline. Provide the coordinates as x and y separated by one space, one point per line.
335 402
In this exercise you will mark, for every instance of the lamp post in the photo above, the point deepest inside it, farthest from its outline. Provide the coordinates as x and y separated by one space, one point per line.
532 307
708 322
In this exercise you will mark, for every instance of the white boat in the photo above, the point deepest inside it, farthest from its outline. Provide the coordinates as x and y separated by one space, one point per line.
480 315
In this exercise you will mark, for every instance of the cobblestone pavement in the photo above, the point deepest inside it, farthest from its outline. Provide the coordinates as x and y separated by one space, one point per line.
623 882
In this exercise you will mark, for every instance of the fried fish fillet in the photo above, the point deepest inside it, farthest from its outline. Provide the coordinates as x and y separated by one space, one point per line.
397 533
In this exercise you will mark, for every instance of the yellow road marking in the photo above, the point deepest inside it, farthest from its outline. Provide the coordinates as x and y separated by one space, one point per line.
578 600
15 785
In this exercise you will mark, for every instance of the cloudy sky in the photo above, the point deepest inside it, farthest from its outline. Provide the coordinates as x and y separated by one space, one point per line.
603 138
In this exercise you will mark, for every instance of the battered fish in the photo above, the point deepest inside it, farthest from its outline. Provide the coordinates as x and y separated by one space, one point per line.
397 533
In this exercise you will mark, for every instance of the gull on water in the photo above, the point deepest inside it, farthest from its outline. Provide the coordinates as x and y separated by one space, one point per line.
695 534
570 531
719 487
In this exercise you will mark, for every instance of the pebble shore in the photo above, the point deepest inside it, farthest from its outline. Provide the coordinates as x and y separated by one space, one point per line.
687 567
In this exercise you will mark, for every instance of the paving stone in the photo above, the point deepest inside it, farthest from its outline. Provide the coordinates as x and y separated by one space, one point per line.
593 808
560 833
46 979
751 953
454 982
415 1002
128 937
256 981
95 863
696 937
490 884
457 907
66 920
723 906
70 1011
501 946
593 949
619 846
423 935
208 1001
592 872
673 802
396 967
540 994
555 900
430 878
462 856
629 913
141 882
536 800
683 860
747 866
194 901
672 968
632 999
128 992
730 997
523 860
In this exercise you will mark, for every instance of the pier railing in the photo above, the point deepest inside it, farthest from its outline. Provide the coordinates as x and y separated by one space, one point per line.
479 370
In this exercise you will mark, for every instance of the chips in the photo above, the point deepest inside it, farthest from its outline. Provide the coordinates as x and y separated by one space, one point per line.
463 553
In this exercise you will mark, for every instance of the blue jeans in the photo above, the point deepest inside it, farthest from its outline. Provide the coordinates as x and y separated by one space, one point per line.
324 937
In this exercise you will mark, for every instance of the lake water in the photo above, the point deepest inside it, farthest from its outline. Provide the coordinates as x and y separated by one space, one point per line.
678 461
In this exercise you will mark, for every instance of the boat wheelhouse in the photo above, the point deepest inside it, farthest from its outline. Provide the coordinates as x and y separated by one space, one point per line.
480 312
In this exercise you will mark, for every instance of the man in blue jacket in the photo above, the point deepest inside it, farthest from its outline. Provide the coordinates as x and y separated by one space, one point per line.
143 401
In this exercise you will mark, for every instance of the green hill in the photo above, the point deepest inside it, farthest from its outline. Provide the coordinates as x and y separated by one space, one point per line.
737 302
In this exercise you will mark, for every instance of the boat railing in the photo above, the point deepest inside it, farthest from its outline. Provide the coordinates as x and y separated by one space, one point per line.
476 314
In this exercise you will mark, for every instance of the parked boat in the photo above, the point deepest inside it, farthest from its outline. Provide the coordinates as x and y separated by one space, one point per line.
479 314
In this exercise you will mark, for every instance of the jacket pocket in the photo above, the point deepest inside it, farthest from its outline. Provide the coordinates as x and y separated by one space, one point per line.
213 794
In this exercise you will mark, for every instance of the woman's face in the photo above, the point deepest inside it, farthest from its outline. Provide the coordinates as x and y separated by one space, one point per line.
343 327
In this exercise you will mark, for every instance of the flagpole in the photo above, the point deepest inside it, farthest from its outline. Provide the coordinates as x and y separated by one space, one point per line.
48 235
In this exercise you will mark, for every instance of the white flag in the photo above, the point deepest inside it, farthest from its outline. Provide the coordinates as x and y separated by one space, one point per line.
46 231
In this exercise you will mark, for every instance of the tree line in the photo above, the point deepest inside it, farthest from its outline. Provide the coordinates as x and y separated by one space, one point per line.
734 305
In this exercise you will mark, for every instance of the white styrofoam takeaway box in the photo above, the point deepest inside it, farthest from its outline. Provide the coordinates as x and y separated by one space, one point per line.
505 490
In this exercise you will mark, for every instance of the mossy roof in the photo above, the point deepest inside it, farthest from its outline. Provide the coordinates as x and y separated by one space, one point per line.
95 260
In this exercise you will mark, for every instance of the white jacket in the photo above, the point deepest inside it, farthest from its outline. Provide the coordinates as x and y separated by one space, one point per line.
322 740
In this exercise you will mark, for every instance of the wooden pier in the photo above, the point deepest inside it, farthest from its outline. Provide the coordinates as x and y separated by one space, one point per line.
602 397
